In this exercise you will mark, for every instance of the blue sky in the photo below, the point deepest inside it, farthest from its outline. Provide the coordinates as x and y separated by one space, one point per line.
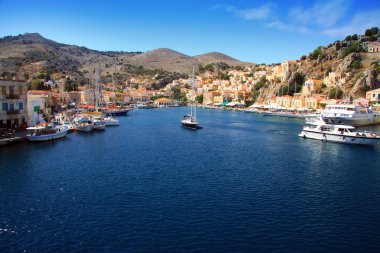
254 31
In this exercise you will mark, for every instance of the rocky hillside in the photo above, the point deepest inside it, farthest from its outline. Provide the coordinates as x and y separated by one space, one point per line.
25 55
348 58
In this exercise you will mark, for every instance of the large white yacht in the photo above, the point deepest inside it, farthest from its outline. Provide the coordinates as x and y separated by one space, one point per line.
319 130
349 114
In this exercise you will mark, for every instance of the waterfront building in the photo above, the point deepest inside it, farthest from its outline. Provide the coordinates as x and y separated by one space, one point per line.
87 96
13 103
314 102
284 101
39 102
163 102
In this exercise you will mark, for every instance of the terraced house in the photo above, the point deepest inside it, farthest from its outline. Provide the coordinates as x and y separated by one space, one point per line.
13 104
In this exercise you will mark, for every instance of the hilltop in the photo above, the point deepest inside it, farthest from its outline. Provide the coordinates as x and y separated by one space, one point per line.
28 54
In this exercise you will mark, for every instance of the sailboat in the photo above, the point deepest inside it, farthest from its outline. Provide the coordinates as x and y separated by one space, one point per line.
190 120
110 118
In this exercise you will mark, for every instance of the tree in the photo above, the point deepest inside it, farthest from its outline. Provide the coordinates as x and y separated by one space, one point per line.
354 37
37 84
314 55
224 76
303 57
348 38
355 47
371 31
199 99
335 92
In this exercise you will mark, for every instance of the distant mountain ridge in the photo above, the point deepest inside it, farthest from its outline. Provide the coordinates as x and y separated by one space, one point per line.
31 52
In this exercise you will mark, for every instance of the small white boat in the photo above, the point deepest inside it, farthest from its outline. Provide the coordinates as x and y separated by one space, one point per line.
84 125
99 123
319 130
46 132
111 121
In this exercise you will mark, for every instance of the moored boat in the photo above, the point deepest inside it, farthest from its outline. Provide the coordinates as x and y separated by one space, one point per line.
98 123
84 125
46 132
350 114
319 130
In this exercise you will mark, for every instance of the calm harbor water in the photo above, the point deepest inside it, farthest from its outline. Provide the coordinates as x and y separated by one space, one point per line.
244 183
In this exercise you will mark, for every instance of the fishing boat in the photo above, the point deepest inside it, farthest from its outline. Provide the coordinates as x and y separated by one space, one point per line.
46 132
190 120
319 130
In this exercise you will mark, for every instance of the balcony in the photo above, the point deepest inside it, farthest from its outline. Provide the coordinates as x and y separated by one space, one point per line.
12 112
14 96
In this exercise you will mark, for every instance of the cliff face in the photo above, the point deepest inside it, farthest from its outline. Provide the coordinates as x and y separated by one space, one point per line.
347 59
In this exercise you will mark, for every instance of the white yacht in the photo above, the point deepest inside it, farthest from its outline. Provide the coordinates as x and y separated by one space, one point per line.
349 114
46 132
319 130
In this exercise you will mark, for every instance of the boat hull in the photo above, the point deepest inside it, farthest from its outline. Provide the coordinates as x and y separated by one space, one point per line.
190 125
47 137
357 140
87 128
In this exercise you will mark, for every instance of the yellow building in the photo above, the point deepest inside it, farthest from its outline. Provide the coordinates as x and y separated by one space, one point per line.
284 101
314 101
373 96
297 103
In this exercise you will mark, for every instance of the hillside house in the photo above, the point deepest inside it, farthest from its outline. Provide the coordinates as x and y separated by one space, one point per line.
374 47
310 87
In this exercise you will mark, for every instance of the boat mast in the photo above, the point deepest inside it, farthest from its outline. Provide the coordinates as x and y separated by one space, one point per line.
193 84
97 89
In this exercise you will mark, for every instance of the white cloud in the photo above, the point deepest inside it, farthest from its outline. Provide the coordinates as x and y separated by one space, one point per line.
322 13
358 24
287 27
262 12
326 17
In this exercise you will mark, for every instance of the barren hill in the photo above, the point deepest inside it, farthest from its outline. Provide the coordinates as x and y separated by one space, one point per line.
31 53
215 57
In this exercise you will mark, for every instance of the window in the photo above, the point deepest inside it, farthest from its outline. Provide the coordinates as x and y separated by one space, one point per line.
21 106
5 106
20 90
4 90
